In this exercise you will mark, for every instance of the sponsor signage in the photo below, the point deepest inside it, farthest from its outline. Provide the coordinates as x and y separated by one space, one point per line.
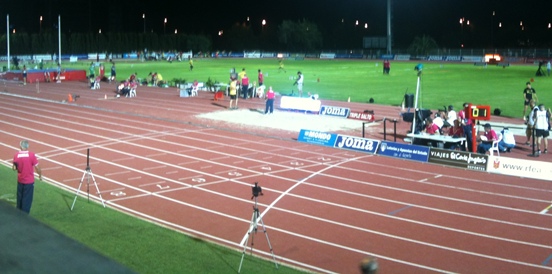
356 143
520 168
361 116
334 111
404 151
461 159
297 103
317 137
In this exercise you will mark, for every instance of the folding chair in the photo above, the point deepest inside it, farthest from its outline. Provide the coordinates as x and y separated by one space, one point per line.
494 146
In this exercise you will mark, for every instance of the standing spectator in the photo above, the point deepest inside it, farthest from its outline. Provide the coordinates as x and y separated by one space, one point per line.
24 75
548 67
261 77
241 74
102 71
26 163
529 94
508 141
299 83
113 76
531 122
58 75
191 64
233 92
244 86
466 125
541 127
487 138
91 70
269 101
386 66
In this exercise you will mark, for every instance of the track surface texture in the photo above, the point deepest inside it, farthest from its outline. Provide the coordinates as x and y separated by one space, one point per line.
163 158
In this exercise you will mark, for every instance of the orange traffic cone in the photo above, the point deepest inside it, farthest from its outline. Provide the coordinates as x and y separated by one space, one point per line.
69 98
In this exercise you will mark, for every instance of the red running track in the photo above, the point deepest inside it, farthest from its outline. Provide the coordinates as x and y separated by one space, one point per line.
325 209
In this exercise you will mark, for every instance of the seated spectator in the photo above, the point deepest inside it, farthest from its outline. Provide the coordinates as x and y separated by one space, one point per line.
486 139
260 91
508 141
451 115
432 129
437 120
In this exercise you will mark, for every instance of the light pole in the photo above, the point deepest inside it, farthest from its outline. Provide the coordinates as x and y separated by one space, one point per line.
144 19
164 26
40 31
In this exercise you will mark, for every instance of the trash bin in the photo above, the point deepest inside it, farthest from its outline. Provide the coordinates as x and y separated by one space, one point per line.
409 100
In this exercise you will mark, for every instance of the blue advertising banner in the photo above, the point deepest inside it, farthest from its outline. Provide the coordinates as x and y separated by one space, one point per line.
334 111
317 137
404 151
356 143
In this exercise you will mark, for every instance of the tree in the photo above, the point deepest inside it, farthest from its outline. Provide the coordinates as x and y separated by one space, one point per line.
422 45
303 35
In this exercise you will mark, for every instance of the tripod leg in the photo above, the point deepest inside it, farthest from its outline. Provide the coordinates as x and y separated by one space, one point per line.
78 190
268 241
251 227
97 189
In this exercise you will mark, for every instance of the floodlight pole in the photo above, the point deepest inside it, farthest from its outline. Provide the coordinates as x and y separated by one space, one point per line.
388 26
59 39
8 38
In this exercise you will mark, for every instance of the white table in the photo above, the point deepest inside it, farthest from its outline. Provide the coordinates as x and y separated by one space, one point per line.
438 138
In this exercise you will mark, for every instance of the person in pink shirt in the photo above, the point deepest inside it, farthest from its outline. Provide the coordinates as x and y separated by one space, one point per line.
25 163
270 101
487 138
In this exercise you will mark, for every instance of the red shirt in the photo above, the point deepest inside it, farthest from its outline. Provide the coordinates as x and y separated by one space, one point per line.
245 81
270 94
432 129
261 78
491 135
25 161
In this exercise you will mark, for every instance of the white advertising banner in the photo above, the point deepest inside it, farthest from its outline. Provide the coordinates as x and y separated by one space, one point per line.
520 168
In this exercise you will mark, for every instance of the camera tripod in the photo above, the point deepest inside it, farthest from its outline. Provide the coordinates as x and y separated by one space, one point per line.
88 174
256 218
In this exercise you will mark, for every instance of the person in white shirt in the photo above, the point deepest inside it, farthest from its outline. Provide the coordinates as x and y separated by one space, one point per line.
508 141
541 128
437 120
451 115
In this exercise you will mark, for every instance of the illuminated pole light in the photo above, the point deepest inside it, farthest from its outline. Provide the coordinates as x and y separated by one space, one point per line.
164 26
220 32
549 25
365 25
13 31
100 31
41 23
500 24
356 23
175 31
144 19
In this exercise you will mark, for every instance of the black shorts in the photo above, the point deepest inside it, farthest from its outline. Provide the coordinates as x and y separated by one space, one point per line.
541 133
233 97
526 103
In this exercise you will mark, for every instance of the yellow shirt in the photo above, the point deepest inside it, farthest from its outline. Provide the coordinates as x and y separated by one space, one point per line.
233 86
241 74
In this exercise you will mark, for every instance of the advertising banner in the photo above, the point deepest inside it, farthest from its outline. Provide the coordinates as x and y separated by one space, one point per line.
520 168
334 111
404 151
356 143
317 137
461 159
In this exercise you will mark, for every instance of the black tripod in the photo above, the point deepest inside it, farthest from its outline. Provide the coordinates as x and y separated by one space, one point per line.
87 174
256 218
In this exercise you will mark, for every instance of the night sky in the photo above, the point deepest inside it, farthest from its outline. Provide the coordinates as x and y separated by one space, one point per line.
437 18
